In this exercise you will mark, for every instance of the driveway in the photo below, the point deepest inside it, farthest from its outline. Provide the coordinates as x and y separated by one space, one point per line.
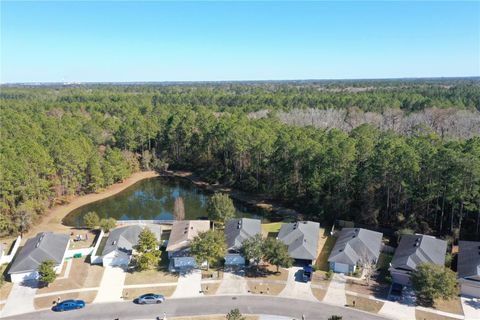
471 308
189 284
396 310
296 288
336 291
20 299
111 286
233 283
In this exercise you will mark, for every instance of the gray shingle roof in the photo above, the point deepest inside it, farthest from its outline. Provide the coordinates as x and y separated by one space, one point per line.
354 245
301 238
126 238
468 265
417 249
44 246
238 230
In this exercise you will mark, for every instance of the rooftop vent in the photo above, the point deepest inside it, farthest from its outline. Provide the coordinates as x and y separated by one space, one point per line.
340 250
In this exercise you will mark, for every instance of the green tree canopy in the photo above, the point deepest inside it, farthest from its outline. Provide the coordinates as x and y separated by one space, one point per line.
235 314
209 246
91 220
147 241
276 253
107 224
431 281
252 249
47 272
220 208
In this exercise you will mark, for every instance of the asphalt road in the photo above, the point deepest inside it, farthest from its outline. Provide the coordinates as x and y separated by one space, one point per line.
204 306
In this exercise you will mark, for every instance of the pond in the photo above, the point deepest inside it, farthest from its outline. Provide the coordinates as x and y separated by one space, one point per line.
153 199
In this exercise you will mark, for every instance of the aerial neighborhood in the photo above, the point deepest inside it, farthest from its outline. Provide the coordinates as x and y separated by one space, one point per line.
243 256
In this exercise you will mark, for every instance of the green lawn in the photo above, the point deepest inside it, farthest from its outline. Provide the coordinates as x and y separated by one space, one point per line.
270 229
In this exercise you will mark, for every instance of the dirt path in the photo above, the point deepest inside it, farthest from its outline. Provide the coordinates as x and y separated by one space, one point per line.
52 219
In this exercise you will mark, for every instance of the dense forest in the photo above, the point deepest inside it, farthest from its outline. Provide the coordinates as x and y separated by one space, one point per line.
63 140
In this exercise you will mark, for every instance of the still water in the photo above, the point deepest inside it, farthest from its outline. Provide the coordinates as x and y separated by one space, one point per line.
154 199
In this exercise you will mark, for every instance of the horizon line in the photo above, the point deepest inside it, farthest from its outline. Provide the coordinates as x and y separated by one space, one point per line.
230 81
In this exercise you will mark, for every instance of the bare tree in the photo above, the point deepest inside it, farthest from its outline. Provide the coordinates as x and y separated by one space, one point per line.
369 267
179 209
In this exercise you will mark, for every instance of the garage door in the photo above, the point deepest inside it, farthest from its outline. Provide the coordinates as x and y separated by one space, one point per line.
471 290
115 261
341 267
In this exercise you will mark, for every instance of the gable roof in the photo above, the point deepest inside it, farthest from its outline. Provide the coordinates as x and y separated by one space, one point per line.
44 246
301 238
239 230
415 249
468 265
126 238
354 245
184 231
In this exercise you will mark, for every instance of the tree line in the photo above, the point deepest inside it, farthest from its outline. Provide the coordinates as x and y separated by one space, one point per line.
59 141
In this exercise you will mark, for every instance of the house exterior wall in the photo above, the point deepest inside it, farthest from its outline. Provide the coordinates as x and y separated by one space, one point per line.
116 258
342 267
470 288
400 276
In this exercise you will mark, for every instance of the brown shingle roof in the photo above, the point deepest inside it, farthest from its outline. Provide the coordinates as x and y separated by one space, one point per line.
184 231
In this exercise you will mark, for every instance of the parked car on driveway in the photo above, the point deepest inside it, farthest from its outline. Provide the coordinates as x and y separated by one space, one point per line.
150 298
69 305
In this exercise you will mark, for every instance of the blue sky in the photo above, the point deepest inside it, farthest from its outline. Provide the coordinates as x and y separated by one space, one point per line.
194 41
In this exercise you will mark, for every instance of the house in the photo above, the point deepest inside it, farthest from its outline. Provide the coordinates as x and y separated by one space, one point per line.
121 243
237 231
468 268
354 246
413 250
302 240
178 246
44 246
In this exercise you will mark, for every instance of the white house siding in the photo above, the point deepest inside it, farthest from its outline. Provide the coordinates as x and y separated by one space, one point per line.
116 258
20 277
470 288
32 275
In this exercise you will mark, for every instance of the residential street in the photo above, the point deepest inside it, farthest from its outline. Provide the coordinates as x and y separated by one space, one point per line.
204 306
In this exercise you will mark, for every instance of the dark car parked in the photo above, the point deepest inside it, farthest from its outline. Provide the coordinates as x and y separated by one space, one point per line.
69 305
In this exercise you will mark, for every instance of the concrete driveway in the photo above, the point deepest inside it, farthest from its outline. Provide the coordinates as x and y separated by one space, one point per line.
233 283
189 284
20 299
336 291
111 286
471 308
296 288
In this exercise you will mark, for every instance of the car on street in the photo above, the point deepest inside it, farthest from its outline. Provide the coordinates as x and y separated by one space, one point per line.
150 298
67 305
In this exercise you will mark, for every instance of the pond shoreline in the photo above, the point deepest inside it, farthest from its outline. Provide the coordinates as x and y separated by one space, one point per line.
249 199
52 219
